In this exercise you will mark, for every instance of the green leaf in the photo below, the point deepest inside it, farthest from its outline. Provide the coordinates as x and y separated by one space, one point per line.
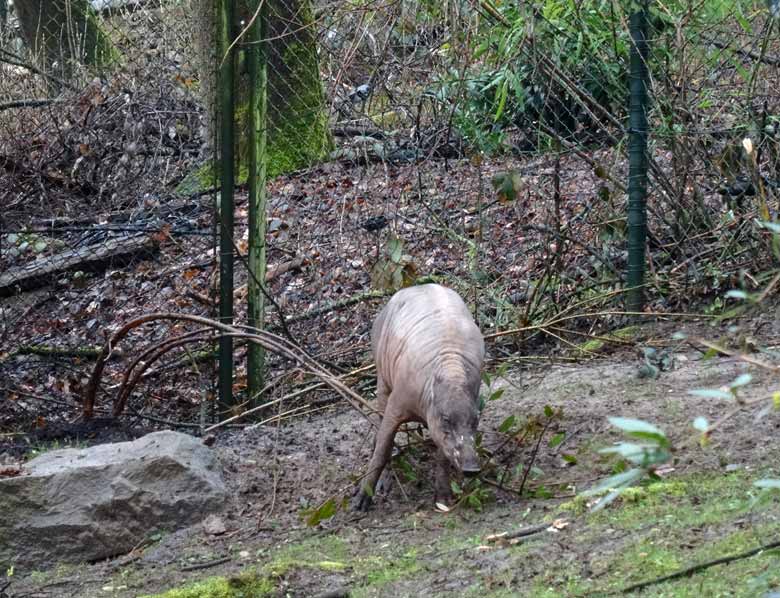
712 393
556 440
768 484
773 226
619 481
543 492
397 279
569 458
640 429
507 424
496 394
486 379
742 380
406 469
456 489
501 95
395 249
325 511
548 411
709 354
648 370
628 450
734 294
39 246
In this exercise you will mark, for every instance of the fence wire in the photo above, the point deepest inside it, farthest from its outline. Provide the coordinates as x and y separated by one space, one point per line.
480 145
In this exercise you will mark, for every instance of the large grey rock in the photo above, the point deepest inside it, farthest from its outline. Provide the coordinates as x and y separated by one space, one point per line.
76 505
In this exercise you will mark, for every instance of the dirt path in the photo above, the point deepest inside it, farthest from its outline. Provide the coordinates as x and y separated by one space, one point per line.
703 509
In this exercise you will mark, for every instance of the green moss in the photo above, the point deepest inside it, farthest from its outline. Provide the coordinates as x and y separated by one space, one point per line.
661 528
652 530
328 553
377 572
698 500
247 585
298 131
198 180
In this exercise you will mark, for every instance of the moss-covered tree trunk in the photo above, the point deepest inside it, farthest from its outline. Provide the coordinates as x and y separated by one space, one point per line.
61 32
298 133
298 130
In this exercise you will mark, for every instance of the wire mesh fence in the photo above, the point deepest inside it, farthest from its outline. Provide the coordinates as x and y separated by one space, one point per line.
481 145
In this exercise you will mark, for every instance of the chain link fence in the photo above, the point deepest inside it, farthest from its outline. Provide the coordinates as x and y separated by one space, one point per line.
479 145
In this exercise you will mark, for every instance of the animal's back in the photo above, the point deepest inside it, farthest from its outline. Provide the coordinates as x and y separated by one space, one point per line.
421 327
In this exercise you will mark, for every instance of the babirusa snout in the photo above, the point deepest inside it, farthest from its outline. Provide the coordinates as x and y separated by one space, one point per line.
464 456
470 466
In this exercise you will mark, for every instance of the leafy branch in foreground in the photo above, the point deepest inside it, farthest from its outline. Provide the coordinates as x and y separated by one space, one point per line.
651 450
650 447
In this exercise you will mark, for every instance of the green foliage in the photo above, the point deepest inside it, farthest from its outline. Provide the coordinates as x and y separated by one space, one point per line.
655 362
529 432
506 185
474 494
645 456
509 85
639 460
489 380
325 511
25 243
247 585
394 270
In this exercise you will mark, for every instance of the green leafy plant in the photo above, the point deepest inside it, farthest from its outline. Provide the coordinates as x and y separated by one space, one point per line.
474 494
649 450
394 270
529 432
489 380
325 511
510 83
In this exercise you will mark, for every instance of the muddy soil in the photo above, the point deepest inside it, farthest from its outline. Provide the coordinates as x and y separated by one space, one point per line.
279 472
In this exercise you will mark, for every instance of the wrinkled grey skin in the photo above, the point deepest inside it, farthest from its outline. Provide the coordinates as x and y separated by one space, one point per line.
428 353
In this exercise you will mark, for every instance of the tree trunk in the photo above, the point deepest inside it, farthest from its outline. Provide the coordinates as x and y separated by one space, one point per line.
298 130
63 32
297 122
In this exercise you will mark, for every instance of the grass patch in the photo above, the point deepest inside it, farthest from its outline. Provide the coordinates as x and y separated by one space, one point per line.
328 553
247 585
659 529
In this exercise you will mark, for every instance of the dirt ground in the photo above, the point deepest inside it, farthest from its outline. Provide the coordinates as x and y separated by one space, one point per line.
703 506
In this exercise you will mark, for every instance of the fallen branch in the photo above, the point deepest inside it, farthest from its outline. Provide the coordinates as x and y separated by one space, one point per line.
771 60
200 298
286 397
214 563
269 341
521 533
49 351
16 60
26 104
700 567
334 305
92 258
274 271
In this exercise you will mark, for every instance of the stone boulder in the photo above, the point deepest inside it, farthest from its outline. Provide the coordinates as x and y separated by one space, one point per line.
76 505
